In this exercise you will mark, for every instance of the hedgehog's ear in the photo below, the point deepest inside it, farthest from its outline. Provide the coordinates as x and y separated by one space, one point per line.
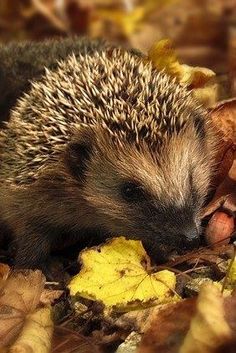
79 150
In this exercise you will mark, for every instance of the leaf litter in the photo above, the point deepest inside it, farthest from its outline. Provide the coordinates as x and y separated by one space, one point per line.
92 323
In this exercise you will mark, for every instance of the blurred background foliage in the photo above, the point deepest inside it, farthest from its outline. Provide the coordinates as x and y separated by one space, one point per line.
203 31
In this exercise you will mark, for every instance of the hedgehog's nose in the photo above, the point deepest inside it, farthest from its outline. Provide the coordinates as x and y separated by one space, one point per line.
191 239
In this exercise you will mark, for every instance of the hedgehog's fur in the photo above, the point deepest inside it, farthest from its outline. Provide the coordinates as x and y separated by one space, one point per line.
96 122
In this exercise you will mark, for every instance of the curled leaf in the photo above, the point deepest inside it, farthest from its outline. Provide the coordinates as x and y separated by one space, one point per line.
199 79
163 56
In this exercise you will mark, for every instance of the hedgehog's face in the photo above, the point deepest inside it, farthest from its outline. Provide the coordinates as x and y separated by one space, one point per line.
155 197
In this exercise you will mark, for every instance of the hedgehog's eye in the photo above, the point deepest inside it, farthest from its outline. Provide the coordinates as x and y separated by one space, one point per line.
131 191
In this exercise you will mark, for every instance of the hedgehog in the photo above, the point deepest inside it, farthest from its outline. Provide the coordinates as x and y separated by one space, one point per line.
104 144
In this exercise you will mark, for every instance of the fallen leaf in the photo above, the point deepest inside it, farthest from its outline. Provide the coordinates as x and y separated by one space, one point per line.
4 273
208 329
20 294
207 95
123 323
36 335
135 320
198 79
167 328
206 324
223 116
163 56
128 22
224 159
66 340
195 77
232 273
219 228
194 286
48 296
118 274
225 195
230 312
130 344
229 281
128 19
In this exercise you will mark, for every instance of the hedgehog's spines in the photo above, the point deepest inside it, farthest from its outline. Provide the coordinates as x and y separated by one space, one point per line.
90 90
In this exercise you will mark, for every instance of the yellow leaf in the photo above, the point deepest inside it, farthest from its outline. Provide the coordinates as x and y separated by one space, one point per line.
131 17
207 95
163 56
118 274
127 21
232 273
229 281
195 76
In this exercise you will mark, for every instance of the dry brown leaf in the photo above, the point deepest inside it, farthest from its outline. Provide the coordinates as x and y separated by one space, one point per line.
48 296
130 344
36 335
224 160
22 290
4 273
219 228
230 316
225 196
203 255
230 311
65 340
223 116
20 295
167 328
205 325
135 320
209 329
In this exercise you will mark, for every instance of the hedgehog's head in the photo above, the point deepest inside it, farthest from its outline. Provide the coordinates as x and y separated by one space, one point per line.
145 184
146 158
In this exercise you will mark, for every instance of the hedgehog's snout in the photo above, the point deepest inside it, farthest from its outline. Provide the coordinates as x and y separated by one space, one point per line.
186 237
175 242
190 239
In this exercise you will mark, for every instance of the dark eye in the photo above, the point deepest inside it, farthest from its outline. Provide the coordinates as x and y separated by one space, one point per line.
131 192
